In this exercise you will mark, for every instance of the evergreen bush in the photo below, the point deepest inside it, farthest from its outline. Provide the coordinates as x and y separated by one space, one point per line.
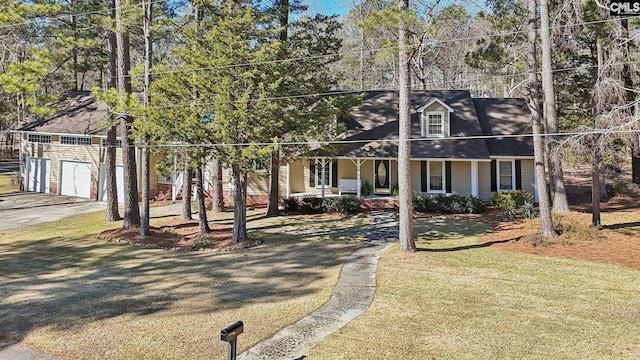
291 204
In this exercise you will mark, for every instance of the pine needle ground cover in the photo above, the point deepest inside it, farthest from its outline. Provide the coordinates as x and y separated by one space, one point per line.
66 292
458 298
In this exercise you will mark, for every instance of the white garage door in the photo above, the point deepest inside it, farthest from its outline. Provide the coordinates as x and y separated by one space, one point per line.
75 178
119 183
38 174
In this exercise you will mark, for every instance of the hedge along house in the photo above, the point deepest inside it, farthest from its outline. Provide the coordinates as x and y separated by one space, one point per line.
455 148
65 153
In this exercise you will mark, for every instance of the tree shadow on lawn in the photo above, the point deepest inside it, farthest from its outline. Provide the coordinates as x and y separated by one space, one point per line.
465 247
328 224
623 225
58 285
433 232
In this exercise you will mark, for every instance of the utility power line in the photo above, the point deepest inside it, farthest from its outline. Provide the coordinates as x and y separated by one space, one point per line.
415 45
395 141
64 16
334 93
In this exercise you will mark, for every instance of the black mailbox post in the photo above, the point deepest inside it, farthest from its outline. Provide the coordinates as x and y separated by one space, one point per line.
230 335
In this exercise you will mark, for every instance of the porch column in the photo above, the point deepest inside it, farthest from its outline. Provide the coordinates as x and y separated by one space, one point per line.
358 178
358 164
288 190
474 178
174 188
22 177
323 161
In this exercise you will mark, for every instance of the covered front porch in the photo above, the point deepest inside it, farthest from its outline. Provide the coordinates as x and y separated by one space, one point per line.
378 177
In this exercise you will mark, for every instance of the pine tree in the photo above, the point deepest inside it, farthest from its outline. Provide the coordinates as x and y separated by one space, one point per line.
554 153
407 242
546 225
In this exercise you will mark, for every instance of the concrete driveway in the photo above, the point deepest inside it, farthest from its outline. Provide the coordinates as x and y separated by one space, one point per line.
26 208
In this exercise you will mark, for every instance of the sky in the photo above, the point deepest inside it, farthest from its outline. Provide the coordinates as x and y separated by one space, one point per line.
341 7
329 7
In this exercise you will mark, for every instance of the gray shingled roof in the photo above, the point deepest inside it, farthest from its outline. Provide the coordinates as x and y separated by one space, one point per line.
372 124
505 117
76 113
377 119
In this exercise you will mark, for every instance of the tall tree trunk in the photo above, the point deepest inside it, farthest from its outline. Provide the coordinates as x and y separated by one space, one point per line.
217 196
239 205
274 181
131 209
110 157
554 156
598 109
405 197
202 208
595 184
362 43
148 53
74 51
187 174
538 144
635 162
274 178
631 97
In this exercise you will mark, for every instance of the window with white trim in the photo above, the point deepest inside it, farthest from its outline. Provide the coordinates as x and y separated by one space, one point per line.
163 179
75 140
104 143
433 124
261 165
435 176
40 138
506 175
323 177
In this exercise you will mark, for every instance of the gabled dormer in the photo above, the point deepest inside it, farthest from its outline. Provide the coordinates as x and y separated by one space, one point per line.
434 117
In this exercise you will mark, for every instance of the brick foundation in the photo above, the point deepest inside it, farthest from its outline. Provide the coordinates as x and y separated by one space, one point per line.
379 203
255 201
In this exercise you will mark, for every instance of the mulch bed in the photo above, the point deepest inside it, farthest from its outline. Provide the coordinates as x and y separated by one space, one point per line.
181 235
608 246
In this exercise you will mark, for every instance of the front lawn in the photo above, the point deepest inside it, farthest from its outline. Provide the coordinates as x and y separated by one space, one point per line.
8 183
65 292
461 299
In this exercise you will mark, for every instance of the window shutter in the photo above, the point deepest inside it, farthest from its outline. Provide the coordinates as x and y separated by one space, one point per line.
518 174
334 173
423 176
423 131
312 173
447 176
494 177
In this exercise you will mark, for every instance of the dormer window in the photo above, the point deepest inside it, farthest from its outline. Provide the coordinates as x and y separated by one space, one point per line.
434 118
433 124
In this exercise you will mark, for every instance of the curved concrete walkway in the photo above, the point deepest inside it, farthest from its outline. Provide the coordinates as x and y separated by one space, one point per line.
11 351
352 296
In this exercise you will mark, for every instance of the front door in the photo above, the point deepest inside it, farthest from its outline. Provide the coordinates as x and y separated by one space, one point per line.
381 177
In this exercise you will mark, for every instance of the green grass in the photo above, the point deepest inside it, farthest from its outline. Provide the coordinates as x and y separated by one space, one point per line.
65 292
8 183
457 299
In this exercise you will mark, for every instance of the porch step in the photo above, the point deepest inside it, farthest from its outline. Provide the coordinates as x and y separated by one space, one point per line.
380 203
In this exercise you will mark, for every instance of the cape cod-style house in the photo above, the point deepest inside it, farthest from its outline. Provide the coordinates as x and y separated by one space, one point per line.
454 148
459 145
